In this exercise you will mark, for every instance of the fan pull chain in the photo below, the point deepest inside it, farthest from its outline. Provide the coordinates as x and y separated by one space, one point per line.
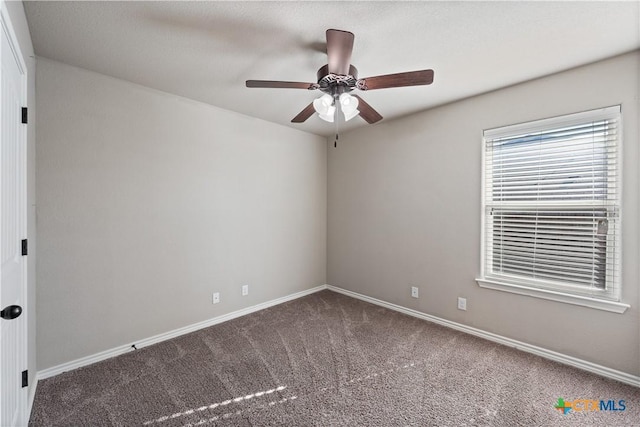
336 120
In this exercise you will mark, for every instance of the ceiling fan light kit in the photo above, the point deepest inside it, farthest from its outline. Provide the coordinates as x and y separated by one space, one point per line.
338 77
326 106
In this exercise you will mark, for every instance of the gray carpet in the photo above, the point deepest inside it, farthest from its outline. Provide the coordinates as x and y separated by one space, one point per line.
327 360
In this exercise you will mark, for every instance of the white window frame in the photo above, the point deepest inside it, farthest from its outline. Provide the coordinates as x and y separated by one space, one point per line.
609 299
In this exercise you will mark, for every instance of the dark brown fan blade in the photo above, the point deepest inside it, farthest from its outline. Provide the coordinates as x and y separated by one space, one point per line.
411 78
304 114
339 48
278 84
367 112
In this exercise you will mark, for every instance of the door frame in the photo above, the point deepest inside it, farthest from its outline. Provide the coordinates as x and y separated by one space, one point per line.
7 29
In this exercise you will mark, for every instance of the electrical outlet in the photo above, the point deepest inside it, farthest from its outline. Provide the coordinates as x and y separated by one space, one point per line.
245 290
462 303
216 298
414 291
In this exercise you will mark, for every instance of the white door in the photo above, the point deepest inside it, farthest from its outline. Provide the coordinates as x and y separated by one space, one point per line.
13 397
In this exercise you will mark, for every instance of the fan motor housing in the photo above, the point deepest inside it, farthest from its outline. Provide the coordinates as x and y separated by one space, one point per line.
336 83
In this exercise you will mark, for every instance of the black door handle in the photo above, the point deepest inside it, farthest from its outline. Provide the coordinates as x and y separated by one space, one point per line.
11 312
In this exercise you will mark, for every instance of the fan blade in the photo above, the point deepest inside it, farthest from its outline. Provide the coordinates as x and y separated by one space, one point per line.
367 112
411 78
304 114
339 48
278 84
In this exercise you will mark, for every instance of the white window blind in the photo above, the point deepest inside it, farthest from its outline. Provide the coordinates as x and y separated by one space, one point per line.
552 204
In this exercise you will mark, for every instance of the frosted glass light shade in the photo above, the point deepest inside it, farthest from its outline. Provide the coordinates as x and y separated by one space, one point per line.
324 107
349 106
329 116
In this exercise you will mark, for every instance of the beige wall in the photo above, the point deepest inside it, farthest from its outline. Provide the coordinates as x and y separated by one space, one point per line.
404 209
148 203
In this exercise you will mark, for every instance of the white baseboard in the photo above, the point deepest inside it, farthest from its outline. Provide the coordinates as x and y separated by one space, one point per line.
539 351
88 360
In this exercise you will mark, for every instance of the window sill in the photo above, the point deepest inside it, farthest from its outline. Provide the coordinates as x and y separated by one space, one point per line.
616 307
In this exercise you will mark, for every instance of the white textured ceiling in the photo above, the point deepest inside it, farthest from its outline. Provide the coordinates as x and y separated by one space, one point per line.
206 50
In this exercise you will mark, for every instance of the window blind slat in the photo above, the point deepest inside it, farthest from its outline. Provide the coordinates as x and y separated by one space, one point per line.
579 147
576 252
561 166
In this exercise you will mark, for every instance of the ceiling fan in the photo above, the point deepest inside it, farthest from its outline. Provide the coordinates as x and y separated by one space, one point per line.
337 78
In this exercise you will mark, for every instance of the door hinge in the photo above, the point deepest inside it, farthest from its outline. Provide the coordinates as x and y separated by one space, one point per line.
25 115
25 248
25 378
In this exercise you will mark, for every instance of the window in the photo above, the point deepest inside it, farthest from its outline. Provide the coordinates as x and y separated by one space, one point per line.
552 209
